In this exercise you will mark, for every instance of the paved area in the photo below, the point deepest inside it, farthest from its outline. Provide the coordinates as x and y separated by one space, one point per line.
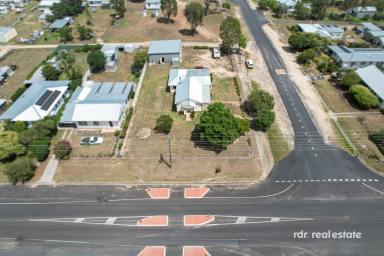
154 221
153 251
195 251
198 220
194 193
159 193
49 172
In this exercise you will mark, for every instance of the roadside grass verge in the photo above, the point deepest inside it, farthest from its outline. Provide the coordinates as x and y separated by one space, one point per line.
278 144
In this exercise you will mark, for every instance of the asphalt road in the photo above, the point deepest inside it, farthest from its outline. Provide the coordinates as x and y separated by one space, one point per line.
315 189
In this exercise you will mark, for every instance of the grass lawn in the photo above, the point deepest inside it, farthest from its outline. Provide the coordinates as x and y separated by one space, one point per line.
29 23
224 89
123 72
27 61
358 129
279 145
7 19
91 150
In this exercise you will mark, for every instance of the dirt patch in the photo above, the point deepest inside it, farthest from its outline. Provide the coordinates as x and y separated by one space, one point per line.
303 85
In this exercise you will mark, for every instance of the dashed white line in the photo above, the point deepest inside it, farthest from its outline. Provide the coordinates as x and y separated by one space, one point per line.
327 180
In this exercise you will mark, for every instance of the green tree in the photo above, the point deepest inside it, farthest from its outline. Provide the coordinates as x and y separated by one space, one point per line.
257 101
301 12
267 4
280 10
164 124
226 6
96 61
349 79
363 96
119 7
319 9
66 34
62 150
231 35
85 33
40 148
66 8
10 146
264 120
306 56
50 73
67 64
242 125
302 41
207 3
138 61
17 126
39 129
169 8
21 170
218 127
194 12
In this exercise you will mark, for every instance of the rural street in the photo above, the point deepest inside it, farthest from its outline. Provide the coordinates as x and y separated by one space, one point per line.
315 189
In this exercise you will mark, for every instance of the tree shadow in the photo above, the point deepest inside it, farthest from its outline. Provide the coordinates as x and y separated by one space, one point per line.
164 20
187 32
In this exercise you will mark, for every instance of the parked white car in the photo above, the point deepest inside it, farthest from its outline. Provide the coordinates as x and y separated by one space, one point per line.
249 63
91 140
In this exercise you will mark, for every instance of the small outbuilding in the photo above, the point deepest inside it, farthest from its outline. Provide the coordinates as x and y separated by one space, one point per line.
165 51
373 77
60 23
7 34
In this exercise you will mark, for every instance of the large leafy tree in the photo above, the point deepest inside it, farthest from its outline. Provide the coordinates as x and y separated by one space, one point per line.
21 170
138 62
301 12
264 119
66 34
85 33
231 35
218 127
96 61
50 73
169 8
302 41
257 101
68 65
119 7
194 12
350 79
319 9
66 8
10 146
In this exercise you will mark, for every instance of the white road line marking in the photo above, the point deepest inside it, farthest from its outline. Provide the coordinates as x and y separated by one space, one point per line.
369 179
378 191
241 220
110 221
376 180
78 220
275 219
253 197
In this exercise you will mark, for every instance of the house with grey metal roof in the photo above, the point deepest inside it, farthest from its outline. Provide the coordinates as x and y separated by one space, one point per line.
373 33
356 57
97 105
290 4
165 51
327 31
41 99
60 23
192 89
152 6
373 77
7 34
363 11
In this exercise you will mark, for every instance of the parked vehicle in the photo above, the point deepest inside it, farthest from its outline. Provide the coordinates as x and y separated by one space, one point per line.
91 140
216 53
249 63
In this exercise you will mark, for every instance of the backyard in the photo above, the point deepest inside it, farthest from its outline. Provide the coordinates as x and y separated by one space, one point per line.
26 61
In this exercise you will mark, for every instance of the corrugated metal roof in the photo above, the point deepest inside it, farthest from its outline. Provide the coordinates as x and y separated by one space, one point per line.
58 24
358 54
370 26
165 47
373 77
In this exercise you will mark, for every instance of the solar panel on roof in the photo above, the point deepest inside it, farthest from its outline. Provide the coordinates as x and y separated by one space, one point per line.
50 100
43 98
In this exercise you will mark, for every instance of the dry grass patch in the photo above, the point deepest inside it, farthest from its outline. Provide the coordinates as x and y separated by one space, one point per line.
224 89
29 23
123 72
26 61
103 149
100 20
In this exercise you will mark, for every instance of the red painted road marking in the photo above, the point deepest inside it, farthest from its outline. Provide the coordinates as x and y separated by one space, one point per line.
154 221
195 251
192 193
198 220
159 193
153 251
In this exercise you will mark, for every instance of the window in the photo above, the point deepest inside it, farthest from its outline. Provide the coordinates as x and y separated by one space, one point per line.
81 123
96 123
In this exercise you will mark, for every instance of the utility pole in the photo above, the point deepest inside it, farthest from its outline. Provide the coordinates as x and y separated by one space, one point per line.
170 151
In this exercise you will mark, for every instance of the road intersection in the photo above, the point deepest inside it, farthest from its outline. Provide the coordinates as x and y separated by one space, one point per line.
318 189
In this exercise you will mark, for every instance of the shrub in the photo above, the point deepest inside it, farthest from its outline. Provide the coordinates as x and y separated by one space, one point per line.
164 124
138 62
62 149
243 125
200 47
302 41
20 170
264 120
40 148
17 126
306 56
18 93
364 97
96 61
10 146
226 5
378 139
50 73
349 79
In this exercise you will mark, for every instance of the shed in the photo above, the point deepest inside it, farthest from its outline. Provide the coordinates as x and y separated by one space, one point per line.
7 34
165 51
373 77
60 23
